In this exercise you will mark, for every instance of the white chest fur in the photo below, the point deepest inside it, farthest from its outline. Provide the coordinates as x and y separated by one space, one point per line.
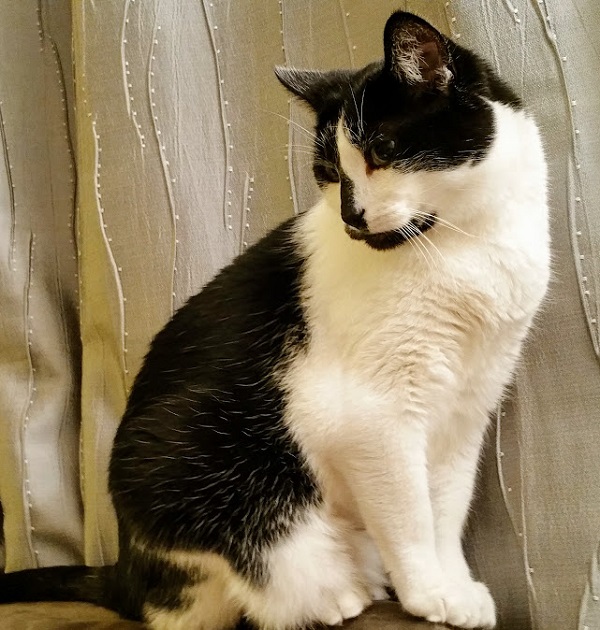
411 348
446 312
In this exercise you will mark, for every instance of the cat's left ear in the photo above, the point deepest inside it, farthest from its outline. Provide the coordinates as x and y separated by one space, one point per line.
319 89
416 53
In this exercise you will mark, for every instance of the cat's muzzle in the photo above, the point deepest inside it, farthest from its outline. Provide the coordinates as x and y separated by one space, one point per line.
387 240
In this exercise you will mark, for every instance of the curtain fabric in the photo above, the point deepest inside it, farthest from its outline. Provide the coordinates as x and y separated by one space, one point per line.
145 143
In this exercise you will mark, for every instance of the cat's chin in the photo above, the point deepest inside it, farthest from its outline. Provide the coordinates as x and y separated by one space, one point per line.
382 241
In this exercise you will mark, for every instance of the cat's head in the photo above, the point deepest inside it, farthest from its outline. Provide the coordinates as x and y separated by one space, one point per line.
384 131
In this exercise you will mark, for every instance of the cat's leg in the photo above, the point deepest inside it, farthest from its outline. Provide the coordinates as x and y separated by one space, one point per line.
452 472
311 578
369 563
338 496
387 469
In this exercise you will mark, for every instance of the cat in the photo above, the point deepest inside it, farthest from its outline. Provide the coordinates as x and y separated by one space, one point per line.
304 433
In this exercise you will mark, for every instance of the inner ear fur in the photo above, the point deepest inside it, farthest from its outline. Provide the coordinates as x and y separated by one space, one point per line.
415 52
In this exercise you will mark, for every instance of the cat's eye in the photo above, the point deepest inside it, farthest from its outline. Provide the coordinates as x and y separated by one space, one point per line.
382 151
330 171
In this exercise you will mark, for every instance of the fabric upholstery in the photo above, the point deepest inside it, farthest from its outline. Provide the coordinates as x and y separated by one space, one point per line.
146 143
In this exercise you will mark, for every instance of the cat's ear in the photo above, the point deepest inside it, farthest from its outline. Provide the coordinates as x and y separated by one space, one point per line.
319 89
416 53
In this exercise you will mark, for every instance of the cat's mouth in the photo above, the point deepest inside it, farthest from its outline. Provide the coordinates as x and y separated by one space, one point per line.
388 240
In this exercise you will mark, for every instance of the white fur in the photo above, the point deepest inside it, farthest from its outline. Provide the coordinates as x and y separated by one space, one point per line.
409 351
316 574
408 61
313 577
408 58
412 348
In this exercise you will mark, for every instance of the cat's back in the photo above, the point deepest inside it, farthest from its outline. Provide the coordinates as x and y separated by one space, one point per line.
232 330
202 434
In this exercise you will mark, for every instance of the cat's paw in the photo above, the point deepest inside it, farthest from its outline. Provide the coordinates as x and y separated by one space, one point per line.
307 608
369 563
465 604
341 607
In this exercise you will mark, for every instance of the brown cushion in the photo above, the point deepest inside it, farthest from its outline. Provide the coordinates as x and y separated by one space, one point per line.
76 616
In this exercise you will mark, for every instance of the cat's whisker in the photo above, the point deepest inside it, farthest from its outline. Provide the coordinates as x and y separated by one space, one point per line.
410 231
435 247
362 103
304 152
351 133
444 222
422 214
371 137
443 184
427 254
446 268
318 162
355 107
442 266
454 228
294 145
417 234
311 134
301 147
423 252
408 238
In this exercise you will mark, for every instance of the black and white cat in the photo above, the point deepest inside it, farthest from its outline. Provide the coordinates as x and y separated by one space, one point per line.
305 432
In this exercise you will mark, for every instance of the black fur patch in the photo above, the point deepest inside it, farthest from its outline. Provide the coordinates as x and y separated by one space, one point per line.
202 459
141 578
68 584
432 130
434 125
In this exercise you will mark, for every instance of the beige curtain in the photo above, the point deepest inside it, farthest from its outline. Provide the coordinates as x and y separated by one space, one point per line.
146 142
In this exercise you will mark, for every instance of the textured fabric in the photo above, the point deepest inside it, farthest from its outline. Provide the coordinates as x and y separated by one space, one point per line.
40 353
186 149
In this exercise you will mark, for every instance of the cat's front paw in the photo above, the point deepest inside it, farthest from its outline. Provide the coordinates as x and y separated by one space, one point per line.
465 604
344 606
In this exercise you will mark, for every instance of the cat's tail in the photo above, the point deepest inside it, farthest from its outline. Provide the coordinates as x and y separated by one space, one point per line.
66 584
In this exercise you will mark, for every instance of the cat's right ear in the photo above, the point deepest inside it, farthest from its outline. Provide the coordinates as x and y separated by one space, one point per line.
318 89
416 53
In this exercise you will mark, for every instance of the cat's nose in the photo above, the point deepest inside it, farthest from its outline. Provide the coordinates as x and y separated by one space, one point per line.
353 216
